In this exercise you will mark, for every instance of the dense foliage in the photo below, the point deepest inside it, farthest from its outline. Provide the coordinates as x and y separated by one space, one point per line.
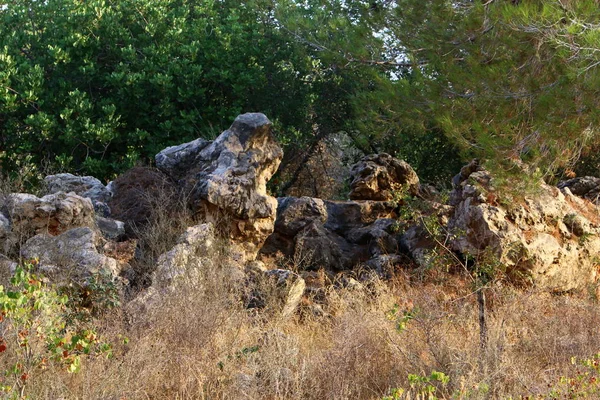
94 87
97 85
502 80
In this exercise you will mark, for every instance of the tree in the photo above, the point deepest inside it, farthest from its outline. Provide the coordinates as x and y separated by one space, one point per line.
97 86
505 81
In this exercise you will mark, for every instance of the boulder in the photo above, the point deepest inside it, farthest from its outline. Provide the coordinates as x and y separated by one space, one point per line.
290 289
281 288
5 227
52 214
336 235
177 161
190 258
192 250
73 253
380 177
7 266
587 187
551 238
227 180
111 229
84 186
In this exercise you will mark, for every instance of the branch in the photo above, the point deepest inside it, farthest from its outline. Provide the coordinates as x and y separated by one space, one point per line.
402 64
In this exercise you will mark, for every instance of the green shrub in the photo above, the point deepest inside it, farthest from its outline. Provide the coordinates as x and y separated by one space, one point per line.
35 332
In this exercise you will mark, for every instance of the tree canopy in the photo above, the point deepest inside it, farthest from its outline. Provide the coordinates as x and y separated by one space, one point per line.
96 86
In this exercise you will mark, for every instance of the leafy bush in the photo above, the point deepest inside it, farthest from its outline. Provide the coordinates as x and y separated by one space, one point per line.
35 333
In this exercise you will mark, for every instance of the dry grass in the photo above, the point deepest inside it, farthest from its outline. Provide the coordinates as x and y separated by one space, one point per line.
204 344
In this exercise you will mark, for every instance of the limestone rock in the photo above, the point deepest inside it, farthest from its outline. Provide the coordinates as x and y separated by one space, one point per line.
7 266
52 214
586 186
5 234
111 229
379 176
5 227
177 161
73 253
191 251
227 180
336 235
84 186
551 238
290 288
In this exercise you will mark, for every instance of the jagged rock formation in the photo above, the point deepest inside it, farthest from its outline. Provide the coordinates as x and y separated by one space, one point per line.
84 186
75 253
178 161
587 187
380 176
550 239
193 249
333 234
227 180
52 214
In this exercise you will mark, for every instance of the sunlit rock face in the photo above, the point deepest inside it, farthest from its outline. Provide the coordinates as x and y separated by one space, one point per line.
226 180
380 177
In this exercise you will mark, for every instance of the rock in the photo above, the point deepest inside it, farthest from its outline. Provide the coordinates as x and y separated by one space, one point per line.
290 288
191 251
102 209
5 227
111 229
416 239
73 253
318 247
294 214
550 239
5 234
137 194
586 186
7 266
256 267
380 177
84 186
466 183
177 161
227 180
52 214
384 264
336 235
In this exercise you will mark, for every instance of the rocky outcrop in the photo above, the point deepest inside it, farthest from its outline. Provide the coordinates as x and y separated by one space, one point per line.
84 186
551 239
380 177
226 180
52 214
178 161
74 254
335 235
587 187
191 251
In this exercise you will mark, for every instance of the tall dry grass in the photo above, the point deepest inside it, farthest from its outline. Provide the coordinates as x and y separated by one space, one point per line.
202 343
